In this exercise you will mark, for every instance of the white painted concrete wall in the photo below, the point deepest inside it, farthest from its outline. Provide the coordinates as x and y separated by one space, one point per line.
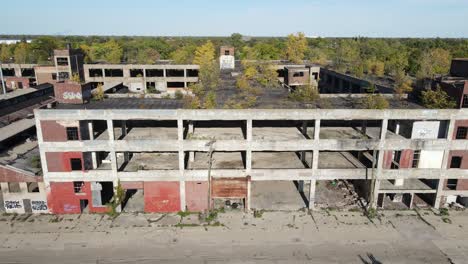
14 202
430 159
425 130
226 62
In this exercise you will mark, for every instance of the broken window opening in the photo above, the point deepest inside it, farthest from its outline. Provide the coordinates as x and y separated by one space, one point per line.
136 72
76 164
113 72
461 133
456 162
14 187
95 73
62 61
174 73
192 73
154 73
416 157
78 186
175 85
33 187
72 133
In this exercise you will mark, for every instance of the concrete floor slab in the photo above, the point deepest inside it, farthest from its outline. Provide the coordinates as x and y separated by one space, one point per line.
152 161
221 160
276 195
276 160
277 133
219 133
338 160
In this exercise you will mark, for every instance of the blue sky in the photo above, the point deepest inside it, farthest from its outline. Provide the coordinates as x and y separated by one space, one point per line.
341 18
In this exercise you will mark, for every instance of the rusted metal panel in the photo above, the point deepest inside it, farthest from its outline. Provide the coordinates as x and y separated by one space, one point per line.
229 188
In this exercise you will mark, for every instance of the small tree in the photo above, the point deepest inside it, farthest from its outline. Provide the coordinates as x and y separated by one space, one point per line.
437 99
75 78
116 200
375 101
210 100
178 95
99 93
296 46
306 93
192 102
403 85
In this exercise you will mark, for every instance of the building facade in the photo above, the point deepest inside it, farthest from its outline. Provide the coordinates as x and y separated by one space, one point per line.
87 153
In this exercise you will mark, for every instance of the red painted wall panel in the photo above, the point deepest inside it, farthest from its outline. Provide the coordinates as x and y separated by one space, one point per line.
53 131
196 195
12 175
406 159
387 159
60 161
229 188
62 199
162 196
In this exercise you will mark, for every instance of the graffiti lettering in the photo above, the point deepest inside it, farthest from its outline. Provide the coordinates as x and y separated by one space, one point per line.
72 95
13 205
38 205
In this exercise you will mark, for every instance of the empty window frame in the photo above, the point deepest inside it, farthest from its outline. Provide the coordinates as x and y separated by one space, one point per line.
175 73
465 101
72 133
396 156
54 76
63 75
461 132
456 162
62 61
154 73
452 184
298 74
226 52
78 186
14 187
113 72
75 164
33 187
416 157
95 73
136 73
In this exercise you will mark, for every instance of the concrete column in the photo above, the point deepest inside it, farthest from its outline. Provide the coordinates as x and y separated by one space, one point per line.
180 136
124 134
304 132
185 78
248 154
249 189
317 129
380 158
312 194
110 129
314 165
191 130
445 162
91 137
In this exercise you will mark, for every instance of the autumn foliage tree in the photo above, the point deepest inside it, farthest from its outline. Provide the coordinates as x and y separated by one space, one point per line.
296 46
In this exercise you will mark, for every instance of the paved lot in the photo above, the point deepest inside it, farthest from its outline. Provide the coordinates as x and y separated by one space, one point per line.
235 237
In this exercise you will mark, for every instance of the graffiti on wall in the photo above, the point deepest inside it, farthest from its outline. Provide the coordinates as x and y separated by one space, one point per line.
38 205
13 205
72 96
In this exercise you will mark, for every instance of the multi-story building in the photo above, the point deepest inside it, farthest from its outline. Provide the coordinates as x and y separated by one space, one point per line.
181 159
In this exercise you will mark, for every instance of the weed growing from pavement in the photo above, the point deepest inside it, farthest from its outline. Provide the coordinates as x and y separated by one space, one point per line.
258 213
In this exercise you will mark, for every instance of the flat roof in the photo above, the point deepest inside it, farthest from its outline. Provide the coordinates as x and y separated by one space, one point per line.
16 93
21 155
